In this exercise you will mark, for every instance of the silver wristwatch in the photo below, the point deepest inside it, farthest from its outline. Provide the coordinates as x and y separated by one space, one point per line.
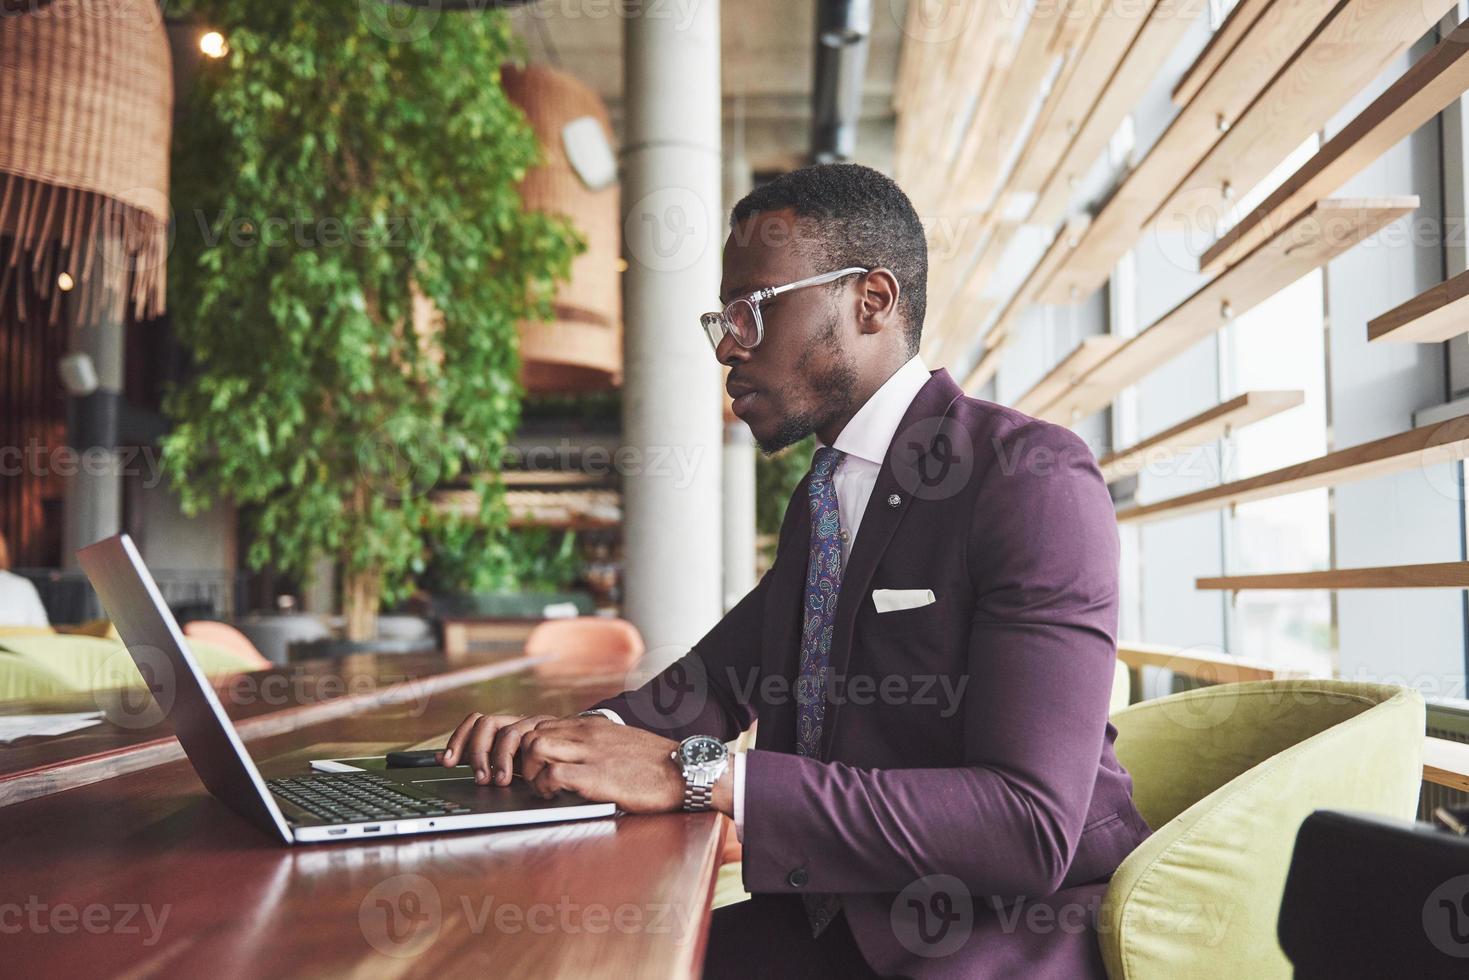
702 759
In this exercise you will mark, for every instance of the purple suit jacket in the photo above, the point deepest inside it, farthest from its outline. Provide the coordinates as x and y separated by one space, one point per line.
968 806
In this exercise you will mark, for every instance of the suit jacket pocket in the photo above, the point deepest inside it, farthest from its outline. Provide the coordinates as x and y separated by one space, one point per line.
919 618
1104 844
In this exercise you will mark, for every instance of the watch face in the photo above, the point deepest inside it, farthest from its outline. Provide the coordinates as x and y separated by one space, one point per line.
701 750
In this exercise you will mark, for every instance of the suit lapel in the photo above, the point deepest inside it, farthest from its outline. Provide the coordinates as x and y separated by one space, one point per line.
905 457
780 649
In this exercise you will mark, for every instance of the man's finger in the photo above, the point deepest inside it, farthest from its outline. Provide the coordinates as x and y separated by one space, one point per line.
556 776
452 749
539 748
506 743
478 749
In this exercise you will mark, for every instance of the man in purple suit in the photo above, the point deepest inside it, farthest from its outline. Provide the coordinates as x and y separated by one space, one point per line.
933 791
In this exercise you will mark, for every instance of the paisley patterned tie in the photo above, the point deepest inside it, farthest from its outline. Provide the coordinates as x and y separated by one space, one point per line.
823 584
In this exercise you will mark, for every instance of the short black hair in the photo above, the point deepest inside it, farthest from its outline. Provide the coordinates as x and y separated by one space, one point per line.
861 218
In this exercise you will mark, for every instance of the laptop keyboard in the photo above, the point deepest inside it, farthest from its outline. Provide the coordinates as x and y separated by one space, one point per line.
349 796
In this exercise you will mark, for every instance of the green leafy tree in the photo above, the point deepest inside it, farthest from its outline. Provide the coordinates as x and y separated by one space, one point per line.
335 165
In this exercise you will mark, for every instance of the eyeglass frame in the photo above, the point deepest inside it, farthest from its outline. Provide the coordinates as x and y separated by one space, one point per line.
758 297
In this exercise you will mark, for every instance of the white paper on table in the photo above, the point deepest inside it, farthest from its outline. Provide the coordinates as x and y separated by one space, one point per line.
13 727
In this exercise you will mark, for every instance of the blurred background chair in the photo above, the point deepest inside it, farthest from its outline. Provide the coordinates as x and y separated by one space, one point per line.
1225 775
228 638
584 645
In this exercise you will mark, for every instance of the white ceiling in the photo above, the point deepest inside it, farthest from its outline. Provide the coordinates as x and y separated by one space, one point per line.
767 64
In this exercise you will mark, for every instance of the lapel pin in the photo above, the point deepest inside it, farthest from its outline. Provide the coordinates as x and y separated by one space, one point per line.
894 500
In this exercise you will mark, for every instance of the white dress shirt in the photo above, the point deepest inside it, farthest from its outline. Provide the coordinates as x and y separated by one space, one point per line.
20 603
864 440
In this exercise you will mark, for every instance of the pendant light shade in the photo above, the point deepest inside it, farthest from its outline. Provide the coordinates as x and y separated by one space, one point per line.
86 108
581 348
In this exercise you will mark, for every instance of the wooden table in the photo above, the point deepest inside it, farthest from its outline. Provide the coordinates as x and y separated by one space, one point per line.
146 875
261 703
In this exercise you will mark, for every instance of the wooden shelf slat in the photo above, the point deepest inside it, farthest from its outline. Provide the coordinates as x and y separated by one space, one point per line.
1438 314
983 150
1217 668
1443 575
1422 92
1199 430
1446 763
1324 231
1298 63
1235 26
1083 357
1420 448
1164 27
999 334
1100 45
1090 40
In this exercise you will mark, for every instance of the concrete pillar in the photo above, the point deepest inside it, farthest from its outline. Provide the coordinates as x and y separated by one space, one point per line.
671 404
739 512
93 506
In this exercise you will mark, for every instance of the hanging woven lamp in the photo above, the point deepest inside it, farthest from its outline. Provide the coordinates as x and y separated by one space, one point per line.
581 348
86 109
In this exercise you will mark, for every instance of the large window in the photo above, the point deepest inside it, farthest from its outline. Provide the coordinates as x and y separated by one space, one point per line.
1280 344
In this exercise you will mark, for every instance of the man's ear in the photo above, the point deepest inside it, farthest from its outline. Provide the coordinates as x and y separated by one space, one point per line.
877 298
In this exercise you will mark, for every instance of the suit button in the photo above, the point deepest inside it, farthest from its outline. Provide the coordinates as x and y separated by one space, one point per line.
798 878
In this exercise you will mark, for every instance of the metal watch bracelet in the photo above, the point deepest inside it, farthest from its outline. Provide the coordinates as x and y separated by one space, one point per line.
696 798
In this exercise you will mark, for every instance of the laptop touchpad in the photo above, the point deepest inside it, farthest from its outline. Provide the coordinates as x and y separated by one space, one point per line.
517 796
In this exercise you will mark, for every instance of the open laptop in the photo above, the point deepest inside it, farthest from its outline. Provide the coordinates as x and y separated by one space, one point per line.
298 809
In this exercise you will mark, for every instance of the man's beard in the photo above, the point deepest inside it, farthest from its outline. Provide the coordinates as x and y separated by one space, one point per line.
839 382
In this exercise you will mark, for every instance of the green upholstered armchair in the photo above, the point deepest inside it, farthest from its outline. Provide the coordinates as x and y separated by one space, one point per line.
1225 775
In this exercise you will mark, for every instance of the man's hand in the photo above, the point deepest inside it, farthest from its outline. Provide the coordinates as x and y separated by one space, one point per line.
603 761
593 756
489 743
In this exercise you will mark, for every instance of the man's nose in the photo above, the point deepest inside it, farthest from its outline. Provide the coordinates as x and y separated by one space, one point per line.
729 352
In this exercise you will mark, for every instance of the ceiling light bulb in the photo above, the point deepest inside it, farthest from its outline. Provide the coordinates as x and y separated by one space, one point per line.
214 45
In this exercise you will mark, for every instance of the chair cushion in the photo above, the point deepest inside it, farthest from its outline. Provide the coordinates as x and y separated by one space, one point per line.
89 663
21 680
1226 774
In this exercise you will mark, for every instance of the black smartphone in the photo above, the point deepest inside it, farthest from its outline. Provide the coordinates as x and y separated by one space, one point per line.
417 759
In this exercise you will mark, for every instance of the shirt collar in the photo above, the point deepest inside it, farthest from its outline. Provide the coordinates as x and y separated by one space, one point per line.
868 433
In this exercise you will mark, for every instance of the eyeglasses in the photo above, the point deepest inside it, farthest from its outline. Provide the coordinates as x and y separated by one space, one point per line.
741 318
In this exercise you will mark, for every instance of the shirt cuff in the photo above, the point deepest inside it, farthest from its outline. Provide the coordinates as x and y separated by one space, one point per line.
606 713
739 796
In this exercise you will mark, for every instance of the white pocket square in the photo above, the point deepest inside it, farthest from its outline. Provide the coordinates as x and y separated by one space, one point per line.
891 600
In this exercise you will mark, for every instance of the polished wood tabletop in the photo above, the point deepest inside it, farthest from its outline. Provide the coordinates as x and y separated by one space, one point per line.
134 736
145 874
